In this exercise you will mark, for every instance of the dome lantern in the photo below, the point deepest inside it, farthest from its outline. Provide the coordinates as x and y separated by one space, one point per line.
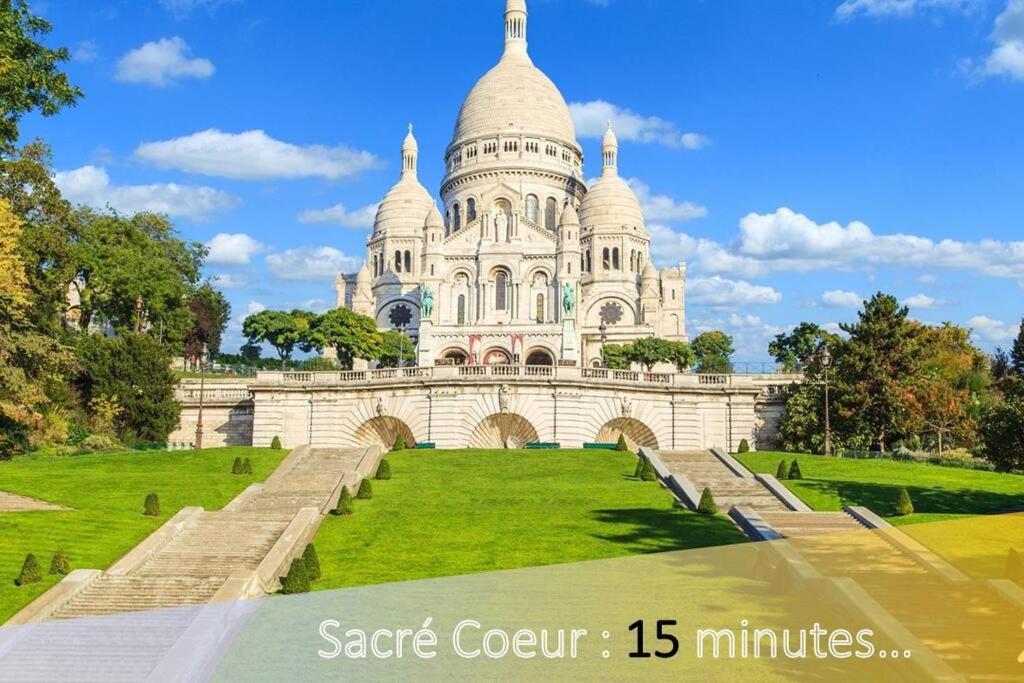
610 152
410 152
515 27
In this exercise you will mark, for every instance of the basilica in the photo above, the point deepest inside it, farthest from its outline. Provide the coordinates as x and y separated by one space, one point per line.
525 264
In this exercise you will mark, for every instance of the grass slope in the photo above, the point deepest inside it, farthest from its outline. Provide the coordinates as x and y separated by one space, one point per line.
938 493
107 493
447 513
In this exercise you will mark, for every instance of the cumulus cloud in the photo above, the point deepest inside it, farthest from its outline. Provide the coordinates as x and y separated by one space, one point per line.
85 51
360 218
878 8
750 334
311 264
90 185
161 63
254 155
233 249
591 120
995 331
658 207
1007 57
720 292
923 301
230 281
837 298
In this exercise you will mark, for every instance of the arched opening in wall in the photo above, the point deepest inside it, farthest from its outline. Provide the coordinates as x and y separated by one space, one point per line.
550 213
540 357
636 432
497 357
455 357
503 430
457 215
383 431
532 208
470 210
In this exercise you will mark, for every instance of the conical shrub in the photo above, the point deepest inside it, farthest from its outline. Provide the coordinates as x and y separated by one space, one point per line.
648 473
236 467
1014 567
621 444
638 472
152 505
383 470
276 443
247 466
794 471
59 565
399 443
783 471
312 561
707 505
30 572
904 506
365 490
297 580
744 446
345 506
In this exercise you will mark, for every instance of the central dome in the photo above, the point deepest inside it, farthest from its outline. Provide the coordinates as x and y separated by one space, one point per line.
515 96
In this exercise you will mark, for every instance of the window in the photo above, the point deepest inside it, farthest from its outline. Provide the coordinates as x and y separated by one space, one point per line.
457 215
408 261
615 258
590 262
462 309
532 208
501 292
470 210
540 308
398 262
550 211
606 259
375 265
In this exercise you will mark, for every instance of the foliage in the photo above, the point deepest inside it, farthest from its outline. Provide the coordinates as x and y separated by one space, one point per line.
30 572
649 351
297 580
247 466
713 351
350 334
312 562
648 473
320 364
1002 435
275 443
794 471
30 79
152 505
211 313
95 443
135 369
59 565
1000 365
615 356
744 446
904 506
707 505
345 506
1017 352
236 466
638 472
942 409
284 331
365 490
395 349
782 472
383 470
621 444
400 444
797 349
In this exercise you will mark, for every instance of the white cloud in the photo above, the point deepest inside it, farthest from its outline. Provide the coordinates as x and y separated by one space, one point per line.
1007 57
233 249
360 218
311 264
591 119
230 281
162 62
990 330
923 301
315 306
90 185
837 298
928 279
719 292
659 207
182 8
850 8
253 155
750 334
85 51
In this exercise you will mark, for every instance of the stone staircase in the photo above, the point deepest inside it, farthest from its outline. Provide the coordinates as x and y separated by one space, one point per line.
730 489
792 524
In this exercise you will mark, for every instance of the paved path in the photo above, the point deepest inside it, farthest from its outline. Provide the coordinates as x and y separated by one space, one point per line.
11 502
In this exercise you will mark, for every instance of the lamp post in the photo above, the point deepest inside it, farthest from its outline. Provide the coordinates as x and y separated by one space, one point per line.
603 329
826 363
202 390
401 346
138 314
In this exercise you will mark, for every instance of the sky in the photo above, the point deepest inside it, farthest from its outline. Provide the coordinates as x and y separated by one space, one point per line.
798 156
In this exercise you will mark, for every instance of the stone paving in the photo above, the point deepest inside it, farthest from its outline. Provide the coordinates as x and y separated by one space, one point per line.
11 502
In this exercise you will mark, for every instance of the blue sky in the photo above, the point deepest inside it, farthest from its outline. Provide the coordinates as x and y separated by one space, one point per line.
797 155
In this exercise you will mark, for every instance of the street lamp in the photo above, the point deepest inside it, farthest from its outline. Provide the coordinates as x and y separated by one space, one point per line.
138 314
603 329
202 390
401 346
826 363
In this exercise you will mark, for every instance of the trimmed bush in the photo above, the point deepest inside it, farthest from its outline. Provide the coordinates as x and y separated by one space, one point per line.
783 471
399 443
276 443
297 580
1014 567
365 490
383 470
30 572
638 472
152 505
247 466
95 443
904 506
648 473
794 471
312 561
621 444
236 467
744 446
59 565
707 505
345 506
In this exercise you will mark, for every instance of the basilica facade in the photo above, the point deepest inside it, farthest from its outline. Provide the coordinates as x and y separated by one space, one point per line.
524 264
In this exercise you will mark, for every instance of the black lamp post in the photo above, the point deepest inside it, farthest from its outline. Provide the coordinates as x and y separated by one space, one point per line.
603 329
826 363
138 315
202 390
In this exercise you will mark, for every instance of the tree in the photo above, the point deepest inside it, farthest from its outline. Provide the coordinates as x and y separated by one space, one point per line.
681 355
395 349
649 351
1002 435
999 365
794 350
351 335
284 331
904 506
713 351
942 408
615 356
1017 352
211 313
29 77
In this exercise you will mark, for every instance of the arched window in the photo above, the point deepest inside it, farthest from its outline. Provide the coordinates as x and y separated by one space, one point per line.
606 259
462 309
550 211
398 262
501 291
408 261
470 210
590 262
375 265
447 222
540 308
457 216
615 258
532 208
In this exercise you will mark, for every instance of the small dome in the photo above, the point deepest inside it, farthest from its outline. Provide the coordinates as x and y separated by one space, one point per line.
515 6
610 139
611 203
410 144
650 272
569 216
434 219
404 207
363 276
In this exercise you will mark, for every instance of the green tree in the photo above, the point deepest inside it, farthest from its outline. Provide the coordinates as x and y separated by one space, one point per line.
615 356
135 370
794 350
713 351
351 335
1002 435
29 76
649 351
1017 352
395 349
284 331
904 506
681 355
211 313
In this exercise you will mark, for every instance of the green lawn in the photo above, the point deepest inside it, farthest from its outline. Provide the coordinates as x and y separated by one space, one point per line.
106 492
938 493
447 513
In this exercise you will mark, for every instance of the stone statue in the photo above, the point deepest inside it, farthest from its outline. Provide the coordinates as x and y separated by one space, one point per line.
427 302
627 406
501 227
568 298
381 412
504 398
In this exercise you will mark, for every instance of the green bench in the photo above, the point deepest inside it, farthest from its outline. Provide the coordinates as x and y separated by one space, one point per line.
540 445
426 446
601 446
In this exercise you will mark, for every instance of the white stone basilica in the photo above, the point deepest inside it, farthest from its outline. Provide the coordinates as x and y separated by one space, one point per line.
527 265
